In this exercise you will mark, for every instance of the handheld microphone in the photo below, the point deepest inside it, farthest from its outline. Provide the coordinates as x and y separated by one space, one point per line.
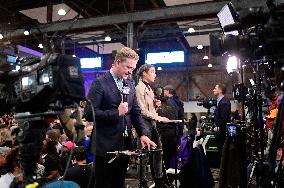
125 91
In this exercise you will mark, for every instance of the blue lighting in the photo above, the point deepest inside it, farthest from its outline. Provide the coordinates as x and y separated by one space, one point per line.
165 57
11 59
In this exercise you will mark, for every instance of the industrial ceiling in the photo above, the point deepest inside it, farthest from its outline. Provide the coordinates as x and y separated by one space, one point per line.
88 22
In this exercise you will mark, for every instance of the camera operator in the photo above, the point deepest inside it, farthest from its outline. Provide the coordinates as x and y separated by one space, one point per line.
170 93
114 118
222 116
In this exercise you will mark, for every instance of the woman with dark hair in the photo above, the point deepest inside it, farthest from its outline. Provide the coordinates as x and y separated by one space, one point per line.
148 104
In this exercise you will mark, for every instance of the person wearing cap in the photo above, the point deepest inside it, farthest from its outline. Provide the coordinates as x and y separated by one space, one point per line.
3 152
67 147
170 93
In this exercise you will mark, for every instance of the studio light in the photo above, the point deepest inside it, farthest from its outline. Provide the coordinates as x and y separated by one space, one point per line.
74 55
26 32
210 65
159 68
61 12
191 30
232 64
1 36
107 38
40 45
205 57
200 47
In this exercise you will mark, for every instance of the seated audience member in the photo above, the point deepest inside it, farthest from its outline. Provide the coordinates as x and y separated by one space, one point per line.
86 142
50 159
67 147
81 172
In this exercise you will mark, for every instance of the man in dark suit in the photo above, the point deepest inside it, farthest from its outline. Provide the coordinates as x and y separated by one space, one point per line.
221 115
114 118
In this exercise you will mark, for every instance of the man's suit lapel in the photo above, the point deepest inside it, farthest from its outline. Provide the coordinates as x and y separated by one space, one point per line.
112 84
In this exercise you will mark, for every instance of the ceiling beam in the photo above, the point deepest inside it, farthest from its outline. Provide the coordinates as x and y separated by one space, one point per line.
190 11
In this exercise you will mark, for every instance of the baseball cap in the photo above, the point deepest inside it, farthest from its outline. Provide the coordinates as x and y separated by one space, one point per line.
69 145
169 87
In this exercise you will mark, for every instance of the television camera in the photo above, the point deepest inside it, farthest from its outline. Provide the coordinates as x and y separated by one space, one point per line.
252 33
207 102
40 89
40 85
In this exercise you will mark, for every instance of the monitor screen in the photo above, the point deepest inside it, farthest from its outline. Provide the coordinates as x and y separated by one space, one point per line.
91 63
11 59
165 57
228 16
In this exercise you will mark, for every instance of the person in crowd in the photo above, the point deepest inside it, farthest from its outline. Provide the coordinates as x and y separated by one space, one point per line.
114 118
86 142
13 168
192 125
67 148
5 136
272 94
148 104
81 172
3 153
169 132
50 159
222 116
170 93
54 134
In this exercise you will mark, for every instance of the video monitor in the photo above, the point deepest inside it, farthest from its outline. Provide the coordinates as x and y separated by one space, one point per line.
169 57
91 63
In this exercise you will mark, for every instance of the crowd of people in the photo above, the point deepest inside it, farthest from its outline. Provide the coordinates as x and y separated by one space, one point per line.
53 158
